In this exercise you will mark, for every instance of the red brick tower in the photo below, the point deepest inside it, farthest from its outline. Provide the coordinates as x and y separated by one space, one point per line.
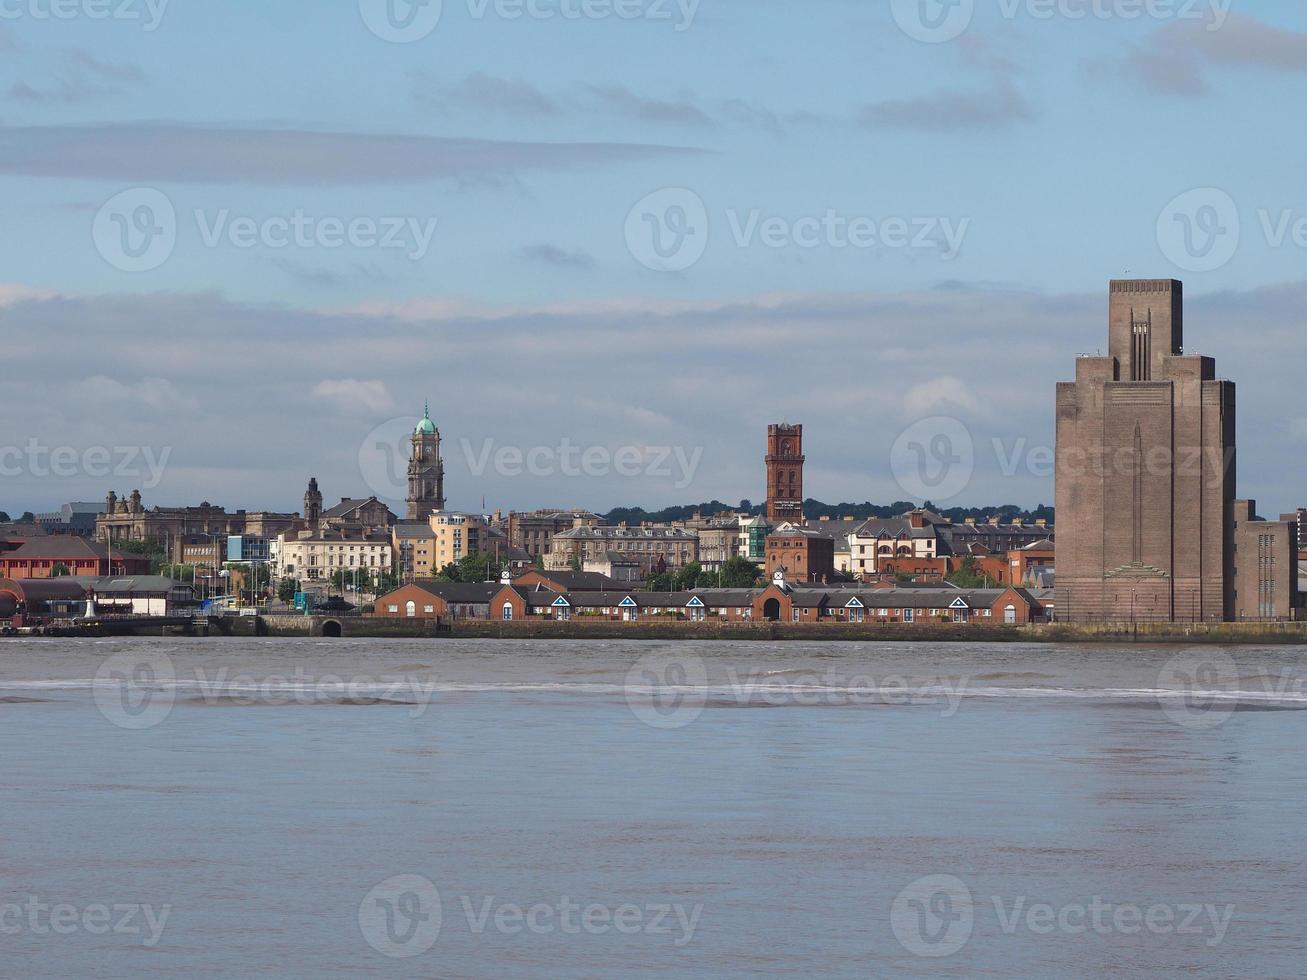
785 473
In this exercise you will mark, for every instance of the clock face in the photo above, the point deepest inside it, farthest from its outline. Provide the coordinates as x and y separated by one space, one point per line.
786 448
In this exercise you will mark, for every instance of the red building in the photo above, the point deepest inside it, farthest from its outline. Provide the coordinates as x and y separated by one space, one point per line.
785 473
41 557
805 555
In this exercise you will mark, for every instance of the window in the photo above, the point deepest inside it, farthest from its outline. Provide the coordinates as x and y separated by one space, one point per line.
428 609
392 608
508 612
410 609
907 615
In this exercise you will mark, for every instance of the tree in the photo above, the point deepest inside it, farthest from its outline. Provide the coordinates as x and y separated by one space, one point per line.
286 590
27 518
60 570
477 567
4 517
687 579
540 563
352 577
969 575
661 582
739 573
574 563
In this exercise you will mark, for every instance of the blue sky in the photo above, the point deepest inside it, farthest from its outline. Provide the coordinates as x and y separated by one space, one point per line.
998 179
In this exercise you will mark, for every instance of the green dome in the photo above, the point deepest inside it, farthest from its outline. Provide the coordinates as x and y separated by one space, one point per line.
426 427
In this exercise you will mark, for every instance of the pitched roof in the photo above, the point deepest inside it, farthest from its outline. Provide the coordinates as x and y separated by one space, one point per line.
57 546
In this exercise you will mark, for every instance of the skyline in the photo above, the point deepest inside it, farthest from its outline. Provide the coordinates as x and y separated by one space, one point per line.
528 313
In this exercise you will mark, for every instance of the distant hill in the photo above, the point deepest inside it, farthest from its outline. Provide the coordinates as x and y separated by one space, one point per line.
815 510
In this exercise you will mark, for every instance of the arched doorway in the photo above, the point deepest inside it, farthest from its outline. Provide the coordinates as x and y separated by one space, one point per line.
771 610
331 628
1010 615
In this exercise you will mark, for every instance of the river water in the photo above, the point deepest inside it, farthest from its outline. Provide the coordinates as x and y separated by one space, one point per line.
307 808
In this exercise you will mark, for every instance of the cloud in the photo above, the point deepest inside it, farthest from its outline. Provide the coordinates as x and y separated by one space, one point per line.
154 394
277 408
170 152
621 101
353 395
480 93
995 104
940 395
484 93
1178 58
1001 106
80 77
555 256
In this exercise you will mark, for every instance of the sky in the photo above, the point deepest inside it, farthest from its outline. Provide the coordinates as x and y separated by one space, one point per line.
610 241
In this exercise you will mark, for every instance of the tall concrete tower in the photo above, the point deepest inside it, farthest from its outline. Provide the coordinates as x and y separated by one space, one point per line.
1145 472
426 471
785 473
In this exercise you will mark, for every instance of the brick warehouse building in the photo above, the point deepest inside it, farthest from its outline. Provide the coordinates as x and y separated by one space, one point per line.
1145 471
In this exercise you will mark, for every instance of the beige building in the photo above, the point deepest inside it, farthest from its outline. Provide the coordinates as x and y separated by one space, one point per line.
311 556
719 542
457 535
179 530
534 532
414 545
648 547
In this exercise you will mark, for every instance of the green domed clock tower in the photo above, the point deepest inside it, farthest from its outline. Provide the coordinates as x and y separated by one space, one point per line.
426 471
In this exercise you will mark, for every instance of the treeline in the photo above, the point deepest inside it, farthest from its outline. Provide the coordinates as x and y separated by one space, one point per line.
816 509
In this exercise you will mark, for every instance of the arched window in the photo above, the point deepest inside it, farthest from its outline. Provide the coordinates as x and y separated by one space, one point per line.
508 612
410 609
1009 614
